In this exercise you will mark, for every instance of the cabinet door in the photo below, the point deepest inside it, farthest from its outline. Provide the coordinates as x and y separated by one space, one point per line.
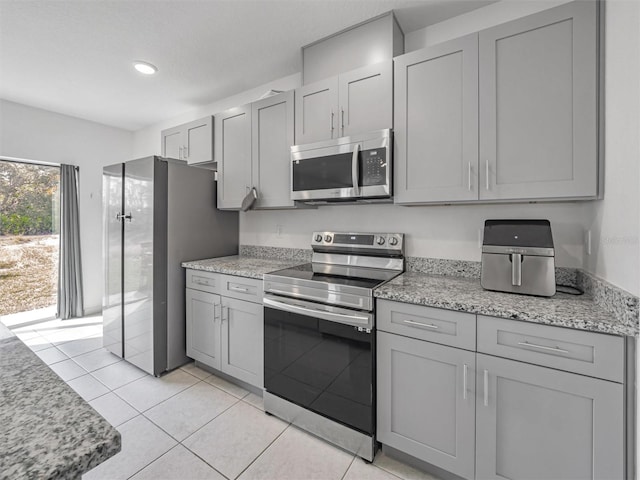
198 141
317 111
242 340
172 143
366 99
426 401
233 154
436 123
535 422
538 99
271 140
203 327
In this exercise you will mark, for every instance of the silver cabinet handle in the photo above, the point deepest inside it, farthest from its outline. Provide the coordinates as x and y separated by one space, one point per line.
354 169
486 178
486 388
201 282
516 269
469 176
542 347
238 289
215 310
222 315
180 153
331 123
185 152
426 325
342 120
464 381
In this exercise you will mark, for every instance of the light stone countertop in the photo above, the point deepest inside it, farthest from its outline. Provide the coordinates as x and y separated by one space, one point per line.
47 431
242 266
466 295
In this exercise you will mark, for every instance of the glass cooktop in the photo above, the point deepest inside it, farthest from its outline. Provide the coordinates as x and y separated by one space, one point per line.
338 274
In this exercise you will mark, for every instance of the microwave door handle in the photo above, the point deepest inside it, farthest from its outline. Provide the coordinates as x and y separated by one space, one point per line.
354 170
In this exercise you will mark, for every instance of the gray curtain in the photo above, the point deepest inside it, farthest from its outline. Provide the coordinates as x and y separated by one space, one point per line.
70 301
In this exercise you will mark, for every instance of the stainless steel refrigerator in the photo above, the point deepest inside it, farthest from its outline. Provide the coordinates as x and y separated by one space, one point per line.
157 213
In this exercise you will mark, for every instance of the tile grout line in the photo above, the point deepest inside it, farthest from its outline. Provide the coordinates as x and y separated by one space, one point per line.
264 450
348 468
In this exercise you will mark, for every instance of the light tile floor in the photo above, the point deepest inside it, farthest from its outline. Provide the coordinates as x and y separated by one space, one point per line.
189 424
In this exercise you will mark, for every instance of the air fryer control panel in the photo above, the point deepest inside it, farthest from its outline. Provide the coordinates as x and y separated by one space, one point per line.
373 167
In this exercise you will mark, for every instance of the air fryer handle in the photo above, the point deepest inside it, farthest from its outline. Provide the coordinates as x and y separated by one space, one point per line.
516 269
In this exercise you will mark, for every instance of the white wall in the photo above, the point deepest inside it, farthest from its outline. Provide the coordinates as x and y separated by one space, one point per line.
147 140
615 221
431 231
34 134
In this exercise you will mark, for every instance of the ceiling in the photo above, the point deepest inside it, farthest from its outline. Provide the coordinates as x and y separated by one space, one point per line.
75 57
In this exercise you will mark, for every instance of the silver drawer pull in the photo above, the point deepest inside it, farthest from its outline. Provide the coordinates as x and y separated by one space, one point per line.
485 392
464 381
426 325
238 289
542 347
202 282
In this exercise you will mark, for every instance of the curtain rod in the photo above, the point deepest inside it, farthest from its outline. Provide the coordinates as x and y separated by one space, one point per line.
34 162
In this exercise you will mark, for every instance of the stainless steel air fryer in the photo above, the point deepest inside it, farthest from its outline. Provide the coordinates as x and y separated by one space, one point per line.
518 257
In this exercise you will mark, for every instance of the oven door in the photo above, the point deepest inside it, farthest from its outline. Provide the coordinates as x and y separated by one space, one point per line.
314 360
325 173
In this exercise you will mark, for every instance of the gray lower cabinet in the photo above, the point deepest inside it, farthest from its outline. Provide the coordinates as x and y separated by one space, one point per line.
233 155
226 332
534 422
203 314
426 401
242 340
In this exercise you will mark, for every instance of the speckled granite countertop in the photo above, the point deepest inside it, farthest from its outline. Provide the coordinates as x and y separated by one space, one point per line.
242 266
47 431
466 295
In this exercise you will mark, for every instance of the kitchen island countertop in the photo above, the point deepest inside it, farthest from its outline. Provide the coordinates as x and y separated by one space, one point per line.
467 295
48 431
241 266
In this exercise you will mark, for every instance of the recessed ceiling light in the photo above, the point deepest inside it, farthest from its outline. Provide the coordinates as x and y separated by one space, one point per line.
145 67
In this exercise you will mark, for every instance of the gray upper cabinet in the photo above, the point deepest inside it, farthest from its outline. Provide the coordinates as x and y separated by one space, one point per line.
365 97
535 422
436 123
538 105
191 141
354 102
233 155
316 111
172 142
272 136
426 401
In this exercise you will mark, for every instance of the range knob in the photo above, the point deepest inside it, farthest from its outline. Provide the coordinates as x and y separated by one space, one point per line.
393 241
328 238
318 238
380 241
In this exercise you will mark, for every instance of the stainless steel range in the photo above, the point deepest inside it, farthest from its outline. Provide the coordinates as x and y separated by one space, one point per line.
319 337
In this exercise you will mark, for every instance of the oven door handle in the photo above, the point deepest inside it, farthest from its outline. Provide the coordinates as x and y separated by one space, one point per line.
364 320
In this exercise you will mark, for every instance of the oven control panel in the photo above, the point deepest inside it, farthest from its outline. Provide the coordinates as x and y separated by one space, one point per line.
391 242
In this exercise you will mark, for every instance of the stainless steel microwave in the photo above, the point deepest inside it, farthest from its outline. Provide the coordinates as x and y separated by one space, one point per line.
347 168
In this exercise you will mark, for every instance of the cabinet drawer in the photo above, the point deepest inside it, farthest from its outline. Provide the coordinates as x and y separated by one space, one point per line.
447 327
242 288
204 281
588 353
